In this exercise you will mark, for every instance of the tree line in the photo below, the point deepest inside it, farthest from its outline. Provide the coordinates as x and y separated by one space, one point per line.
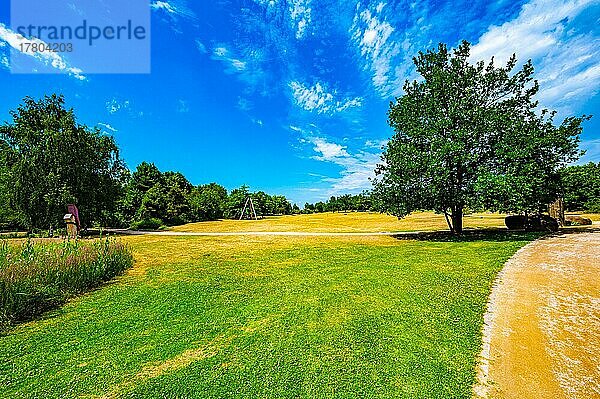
152 198
49 160
581 187
362 202
467 136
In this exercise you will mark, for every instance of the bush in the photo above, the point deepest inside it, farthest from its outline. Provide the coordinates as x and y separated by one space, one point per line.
531 223
37 277
147 224
515 222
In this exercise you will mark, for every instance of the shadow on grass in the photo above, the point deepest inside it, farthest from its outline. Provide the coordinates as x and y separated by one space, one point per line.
492 234
52 309
471 235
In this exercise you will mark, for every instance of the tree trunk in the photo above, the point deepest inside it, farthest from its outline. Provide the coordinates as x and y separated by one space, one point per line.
457 220
449 222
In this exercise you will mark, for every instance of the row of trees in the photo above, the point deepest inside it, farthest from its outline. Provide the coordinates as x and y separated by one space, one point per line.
467 136
581 187
172 199
359 203
48 160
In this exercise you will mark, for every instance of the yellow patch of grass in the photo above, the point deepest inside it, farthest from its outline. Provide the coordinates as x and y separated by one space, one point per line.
353 222
181 361
595 217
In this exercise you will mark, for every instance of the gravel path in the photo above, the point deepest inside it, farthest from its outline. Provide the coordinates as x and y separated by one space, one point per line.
262 233
542 332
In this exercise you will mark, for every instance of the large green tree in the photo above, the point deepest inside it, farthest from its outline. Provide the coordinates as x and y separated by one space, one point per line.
51 160
470 135
168 200
208 202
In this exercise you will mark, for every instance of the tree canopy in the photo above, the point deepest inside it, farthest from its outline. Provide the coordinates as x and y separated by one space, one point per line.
49 160
581 187
471 135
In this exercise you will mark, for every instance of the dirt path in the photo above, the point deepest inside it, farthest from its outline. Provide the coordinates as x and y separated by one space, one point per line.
542 334
262 233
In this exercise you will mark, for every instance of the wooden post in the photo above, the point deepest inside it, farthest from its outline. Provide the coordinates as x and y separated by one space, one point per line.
71 222
251 208
557 211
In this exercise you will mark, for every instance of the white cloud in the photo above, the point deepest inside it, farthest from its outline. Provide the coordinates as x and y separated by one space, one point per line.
592 151
378 144
107 127
357 168
47 58
328 151
234 65
244 104
373 36
317 98
113 106
173 8
566 58
238 65
301 16
163 5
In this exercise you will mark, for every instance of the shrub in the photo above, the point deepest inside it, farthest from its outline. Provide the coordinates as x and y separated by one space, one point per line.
147 224
531 223
37 277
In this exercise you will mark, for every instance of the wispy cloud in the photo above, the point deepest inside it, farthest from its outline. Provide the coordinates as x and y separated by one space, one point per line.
4 60
46 58
126 107
173 8
182 107
356 168
107 126
201 47
328 151
113 106
246 65
300 15
317 98
234 64
373 36
592 151
566 55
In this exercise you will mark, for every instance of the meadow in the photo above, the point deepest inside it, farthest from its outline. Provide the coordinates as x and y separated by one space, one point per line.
344 222
312 317
37 276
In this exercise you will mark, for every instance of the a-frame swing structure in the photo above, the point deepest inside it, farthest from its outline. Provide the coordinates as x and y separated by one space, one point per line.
249 205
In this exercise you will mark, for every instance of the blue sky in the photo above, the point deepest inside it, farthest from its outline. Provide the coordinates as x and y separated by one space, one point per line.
291 96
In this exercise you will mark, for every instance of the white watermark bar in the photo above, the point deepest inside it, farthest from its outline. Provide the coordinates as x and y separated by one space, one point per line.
80 37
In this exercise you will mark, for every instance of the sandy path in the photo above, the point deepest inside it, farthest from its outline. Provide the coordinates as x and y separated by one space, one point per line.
542 334
262 233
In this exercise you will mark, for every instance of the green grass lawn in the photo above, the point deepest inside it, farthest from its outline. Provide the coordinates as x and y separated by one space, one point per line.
267 317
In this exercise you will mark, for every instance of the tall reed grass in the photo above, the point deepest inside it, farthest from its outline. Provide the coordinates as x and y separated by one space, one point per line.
35 277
